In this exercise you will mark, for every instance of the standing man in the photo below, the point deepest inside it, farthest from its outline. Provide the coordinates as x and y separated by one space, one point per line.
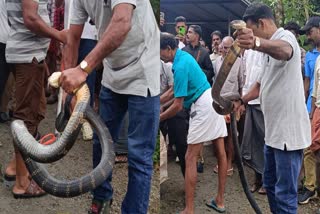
128 45
312 30
26 50
198 52
192 91
181 30
287 126
216 38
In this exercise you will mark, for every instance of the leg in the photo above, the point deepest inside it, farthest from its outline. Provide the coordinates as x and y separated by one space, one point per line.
30 108
288 165
178 132
230 149
269 176
4 74
143 129
192 154
222 170
112 109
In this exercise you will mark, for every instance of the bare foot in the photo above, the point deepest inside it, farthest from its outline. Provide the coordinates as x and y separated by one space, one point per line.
11 168
185 211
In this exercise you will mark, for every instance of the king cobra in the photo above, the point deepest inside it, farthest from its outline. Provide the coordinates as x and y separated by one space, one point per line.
223 106
32 152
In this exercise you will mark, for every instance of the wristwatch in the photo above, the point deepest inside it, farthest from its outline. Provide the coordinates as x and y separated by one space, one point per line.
84 66
256 43
241 101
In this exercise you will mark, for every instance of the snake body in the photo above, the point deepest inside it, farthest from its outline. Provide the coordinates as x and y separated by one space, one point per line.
221 105
34 153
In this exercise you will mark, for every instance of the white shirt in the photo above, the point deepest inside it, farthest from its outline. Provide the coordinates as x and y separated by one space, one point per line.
89 31
254 61
4 26
287 123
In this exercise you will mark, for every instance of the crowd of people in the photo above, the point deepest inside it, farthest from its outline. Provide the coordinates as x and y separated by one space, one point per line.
273 85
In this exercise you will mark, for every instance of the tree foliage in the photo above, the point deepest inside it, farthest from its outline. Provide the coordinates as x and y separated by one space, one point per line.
293 10
156 8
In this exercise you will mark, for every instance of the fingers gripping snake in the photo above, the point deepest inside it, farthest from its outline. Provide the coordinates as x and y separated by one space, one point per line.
34 153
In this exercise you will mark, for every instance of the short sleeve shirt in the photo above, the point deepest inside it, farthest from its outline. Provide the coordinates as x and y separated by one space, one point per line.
287 124
309 66
166 77
134 67
189 80
4 26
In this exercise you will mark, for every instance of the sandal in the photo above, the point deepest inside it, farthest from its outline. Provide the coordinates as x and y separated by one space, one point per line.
214 206
229 171
121 158
256 186
33 191
9 177
262 191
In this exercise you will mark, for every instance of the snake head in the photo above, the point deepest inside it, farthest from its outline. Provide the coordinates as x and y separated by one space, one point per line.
238 24
54 79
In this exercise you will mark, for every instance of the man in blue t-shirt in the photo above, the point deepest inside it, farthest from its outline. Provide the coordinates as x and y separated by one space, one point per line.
192 91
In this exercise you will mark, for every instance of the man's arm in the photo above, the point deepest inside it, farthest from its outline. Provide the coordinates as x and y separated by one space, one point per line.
36 24
278 49
306 84
111 39
173 109
70 52
166 96
114 35
251 95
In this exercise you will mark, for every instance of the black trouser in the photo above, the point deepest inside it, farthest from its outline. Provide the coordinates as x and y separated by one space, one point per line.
177 129
4 69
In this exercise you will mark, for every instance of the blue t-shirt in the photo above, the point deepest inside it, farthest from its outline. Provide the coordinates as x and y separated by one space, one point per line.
189 80
310 62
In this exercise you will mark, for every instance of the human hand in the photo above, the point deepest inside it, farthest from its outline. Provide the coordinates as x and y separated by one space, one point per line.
236 105
62 36
72 79
242 109
245 38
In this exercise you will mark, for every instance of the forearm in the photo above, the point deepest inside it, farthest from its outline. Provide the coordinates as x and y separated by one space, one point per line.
71 49
166 96
306 87
277 49
252 94
167 104
113 36
170 112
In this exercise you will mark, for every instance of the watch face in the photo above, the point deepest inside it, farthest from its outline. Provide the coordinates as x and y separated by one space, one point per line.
257 42
83 65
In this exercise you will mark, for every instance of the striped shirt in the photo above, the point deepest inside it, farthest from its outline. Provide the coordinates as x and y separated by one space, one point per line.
4 27
23 45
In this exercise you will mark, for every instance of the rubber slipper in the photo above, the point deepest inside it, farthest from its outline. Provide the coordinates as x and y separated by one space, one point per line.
123 158
9 177
214 206
33 191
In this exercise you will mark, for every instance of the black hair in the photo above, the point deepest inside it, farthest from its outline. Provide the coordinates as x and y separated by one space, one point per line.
217 33
180 19
197 29
167 39
292 26
257 11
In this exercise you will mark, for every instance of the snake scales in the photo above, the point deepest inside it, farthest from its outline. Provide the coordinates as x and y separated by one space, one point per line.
34 153
221 105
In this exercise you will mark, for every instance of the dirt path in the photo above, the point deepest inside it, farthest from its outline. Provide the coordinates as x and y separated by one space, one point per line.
76 163
172 191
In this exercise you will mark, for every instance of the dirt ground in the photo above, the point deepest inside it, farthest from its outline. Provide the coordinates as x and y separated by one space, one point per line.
76 163
172 191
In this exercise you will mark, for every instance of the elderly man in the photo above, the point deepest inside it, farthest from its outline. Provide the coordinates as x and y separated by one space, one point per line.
287 126
128 46
192 91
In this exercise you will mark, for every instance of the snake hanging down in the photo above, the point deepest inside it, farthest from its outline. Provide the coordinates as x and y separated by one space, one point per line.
34 153
223 106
